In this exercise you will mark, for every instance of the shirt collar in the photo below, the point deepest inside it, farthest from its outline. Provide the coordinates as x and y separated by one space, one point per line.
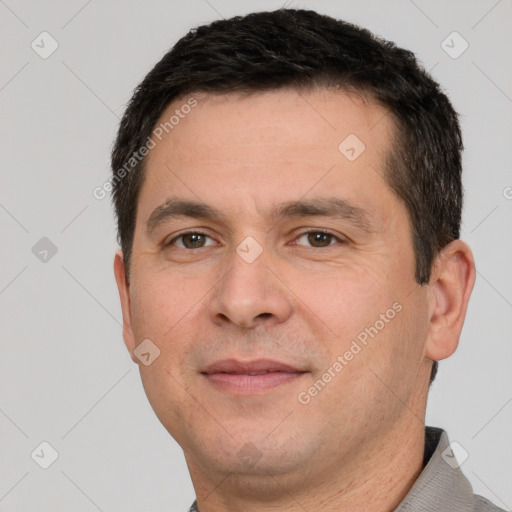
441 482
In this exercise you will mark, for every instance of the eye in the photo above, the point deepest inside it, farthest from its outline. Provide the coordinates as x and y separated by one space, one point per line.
197 239
319 239
190 240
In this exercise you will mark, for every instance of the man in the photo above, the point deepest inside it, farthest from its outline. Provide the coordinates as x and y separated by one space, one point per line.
288 195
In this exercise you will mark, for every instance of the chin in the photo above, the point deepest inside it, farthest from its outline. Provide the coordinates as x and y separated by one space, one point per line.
256 452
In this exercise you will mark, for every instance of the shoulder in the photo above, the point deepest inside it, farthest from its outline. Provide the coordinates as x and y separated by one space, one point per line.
482 504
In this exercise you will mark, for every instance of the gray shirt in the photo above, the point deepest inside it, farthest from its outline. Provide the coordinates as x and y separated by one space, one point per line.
441 485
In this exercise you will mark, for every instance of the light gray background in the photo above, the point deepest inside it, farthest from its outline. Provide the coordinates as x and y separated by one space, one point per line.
65 376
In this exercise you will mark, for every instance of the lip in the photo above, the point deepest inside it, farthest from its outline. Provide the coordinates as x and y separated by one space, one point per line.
238 377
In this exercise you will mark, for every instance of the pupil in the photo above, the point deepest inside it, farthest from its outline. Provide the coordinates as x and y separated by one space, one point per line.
195 239
319 238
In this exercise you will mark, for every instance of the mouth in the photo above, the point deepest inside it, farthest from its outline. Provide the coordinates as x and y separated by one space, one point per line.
250 377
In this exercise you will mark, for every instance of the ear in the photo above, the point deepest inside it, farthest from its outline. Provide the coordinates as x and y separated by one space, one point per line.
451 283
124 294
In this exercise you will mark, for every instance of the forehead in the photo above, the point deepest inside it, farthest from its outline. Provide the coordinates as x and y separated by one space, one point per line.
285 116
264 148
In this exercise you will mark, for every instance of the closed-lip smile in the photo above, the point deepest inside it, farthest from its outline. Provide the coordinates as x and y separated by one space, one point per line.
250 377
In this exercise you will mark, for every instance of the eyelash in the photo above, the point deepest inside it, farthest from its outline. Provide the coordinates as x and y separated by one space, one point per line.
198 232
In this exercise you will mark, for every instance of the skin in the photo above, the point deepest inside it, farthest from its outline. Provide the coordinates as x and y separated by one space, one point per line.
358 444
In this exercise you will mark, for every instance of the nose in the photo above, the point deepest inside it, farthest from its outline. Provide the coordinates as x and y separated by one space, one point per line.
250 293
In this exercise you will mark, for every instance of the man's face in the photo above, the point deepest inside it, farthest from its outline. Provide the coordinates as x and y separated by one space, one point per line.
261 283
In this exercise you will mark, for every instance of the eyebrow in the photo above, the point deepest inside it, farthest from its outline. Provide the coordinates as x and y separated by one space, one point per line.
331 207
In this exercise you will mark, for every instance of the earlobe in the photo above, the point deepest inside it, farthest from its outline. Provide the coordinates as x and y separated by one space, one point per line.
124 295
451 283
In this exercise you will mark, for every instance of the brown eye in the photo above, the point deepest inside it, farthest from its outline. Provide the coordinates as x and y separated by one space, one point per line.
193 240
190 240
319 239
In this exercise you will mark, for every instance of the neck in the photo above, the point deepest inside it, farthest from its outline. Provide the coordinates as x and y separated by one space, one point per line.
376 481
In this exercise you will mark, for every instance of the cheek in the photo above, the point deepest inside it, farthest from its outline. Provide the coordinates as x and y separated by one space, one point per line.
367 318
161 302
162 312
397 353
345 299
411 330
